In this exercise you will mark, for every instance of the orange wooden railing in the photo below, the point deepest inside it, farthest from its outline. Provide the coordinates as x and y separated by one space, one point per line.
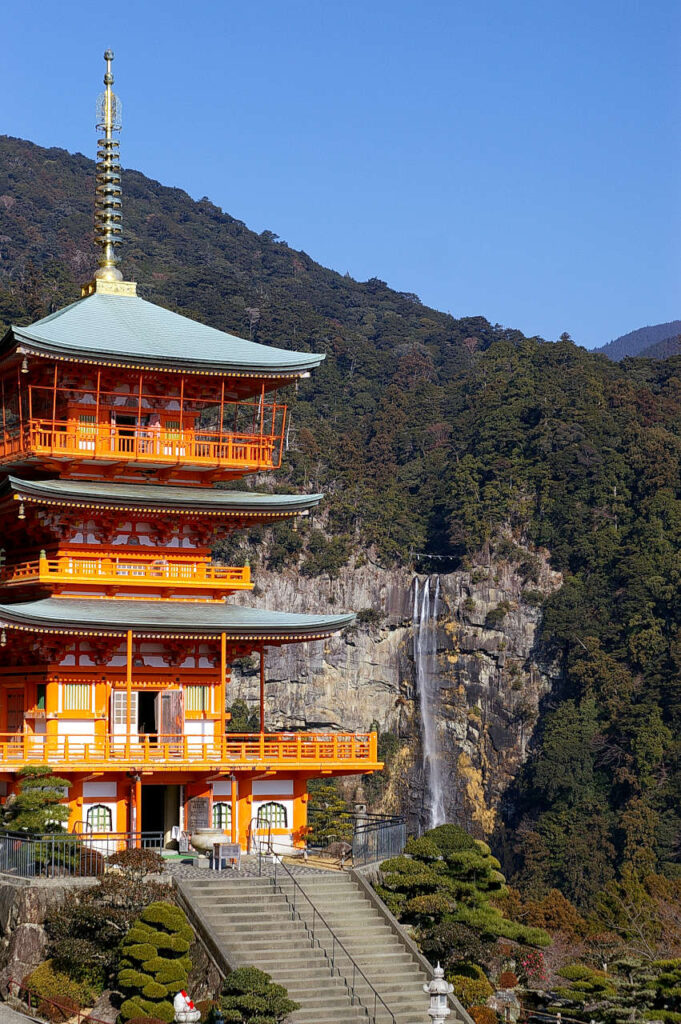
170 751
108 571
142 444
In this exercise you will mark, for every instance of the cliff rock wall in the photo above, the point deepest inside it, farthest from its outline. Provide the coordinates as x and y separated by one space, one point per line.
489 677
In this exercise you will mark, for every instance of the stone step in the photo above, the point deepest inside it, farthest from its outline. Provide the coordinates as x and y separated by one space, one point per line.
257 923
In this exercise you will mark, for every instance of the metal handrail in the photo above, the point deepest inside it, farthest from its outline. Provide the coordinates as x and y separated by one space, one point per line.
68 853
331 958
252 837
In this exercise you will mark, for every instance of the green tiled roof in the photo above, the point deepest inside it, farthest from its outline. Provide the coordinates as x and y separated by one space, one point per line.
159 496
127 329
169 618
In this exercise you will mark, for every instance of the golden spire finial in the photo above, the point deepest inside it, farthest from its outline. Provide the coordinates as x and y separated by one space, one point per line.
108 192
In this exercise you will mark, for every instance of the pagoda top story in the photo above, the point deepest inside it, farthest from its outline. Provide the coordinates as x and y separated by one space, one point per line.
126 331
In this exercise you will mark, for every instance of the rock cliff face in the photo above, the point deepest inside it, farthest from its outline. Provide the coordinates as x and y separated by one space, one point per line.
489 677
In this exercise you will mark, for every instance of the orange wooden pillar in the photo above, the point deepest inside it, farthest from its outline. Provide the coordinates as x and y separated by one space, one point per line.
262 690
128 692
223 687
136 808
233 797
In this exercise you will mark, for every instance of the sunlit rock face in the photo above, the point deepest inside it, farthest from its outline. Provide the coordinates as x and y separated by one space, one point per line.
490 678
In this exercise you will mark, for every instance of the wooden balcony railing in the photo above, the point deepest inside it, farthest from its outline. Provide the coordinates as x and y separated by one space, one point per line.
168 753
66 440
127 572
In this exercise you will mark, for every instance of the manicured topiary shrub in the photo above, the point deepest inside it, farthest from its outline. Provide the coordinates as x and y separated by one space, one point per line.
155 962
249 996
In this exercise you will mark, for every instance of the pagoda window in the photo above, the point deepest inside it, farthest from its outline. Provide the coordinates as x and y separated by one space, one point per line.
98 818
197 698
119 708
87 431
222 815
76 697
272 814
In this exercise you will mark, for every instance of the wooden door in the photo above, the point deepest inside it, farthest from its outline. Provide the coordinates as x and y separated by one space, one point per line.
15 711
170 713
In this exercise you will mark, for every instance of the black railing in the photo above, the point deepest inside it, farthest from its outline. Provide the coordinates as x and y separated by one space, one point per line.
377 837
338 958
66 854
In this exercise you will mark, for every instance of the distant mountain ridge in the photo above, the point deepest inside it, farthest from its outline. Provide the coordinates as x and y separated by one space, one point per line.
657 342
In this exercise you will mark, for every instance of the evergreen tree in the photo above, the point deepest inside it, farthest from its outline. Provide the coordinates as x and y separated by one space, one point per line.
249 996
37 807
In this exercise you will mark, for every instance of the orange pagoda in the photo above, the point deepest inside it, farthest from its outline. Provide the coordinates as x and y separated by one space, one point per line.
116 627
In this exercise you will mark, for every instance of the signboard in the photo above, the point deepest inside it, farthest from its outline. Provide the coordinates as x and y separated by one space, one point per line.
198 813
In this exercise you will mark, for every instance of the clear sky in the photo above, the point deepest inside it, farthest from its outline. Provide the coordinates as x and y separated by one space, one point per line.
519 159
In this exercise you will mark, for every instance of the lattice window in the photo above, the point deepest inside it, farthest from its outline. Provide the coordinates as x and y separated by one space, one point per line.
88 423
272 814
222 815
76 697
119 708
197 698
98 818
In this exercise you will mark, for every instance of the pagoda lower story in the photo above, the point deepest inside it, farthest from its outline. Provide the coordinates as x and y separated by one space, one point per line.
137 722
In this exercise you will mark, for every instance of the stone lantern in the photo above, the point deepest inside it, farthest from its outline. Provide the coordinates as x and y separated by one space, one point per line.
438 990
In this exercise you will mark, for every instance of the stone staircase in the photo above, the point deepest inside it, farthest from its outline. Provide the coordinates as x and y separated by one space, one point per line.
247 921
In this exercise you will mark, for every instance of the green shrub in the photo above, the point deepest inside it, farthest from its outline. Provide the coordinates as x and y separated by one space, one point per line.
154 963
471 991
329 814
249 996
450 838
85 931
424 848
138 863
495 616
428 905
46 983
574 972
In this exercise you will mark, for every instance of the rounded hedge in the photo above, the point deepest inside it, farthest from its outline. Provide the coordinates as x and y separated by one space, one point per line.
155 963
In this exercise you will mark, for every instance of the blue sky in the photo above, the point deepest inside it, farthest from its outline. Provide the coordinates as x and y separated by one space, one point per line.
518 160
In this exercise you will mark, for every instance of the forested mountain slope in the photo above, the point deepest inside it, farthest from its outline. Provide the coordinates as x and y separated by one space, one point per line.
430 434
642 342
663 349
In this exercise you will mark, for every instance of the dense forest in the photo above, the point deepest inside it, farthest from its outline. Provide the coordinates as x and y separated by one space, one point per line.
431 434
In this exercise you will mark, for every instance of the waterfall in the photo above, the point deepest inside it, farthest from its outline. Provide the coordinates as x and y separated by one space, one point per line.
424 618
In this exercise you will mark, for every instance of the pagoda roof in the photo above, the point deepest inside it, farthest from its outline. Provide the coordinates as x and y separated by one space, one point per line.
166 619
125 330
158 497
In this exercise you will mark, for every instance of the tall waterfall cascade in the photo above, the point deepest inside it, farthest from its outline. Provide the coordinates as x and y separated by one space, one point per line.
424 619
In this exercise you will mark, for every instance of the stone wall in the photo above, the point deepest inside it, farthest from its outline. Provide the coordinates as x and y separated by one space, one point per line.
24 906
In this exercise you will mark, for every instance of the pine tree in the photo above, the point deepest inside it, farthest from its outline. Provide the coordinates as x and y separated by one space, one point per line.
37 808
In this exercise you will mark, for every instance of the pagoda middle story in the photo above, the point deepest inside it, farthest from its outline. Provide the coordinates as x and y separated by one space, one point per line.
116 629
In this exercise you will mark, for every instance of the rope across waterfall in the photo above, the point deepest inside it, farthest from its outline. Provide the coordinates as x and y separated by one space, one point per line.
424 618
